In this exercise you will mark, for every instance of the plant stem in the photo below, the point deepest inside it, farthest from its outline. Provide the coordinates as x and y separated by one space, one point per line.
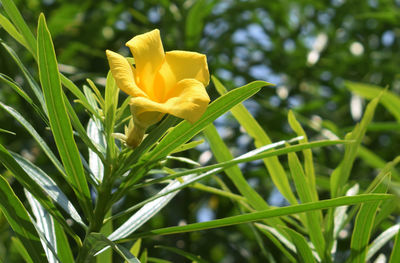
100 211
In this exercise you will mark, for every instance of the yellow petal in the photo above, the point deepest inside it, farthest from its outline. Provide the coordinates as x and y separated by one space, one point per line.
190 104
123 74
149 55
179 65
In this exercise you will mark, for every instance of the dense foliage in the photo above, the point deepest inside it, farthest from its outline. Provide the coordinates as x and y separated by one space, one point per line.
316 53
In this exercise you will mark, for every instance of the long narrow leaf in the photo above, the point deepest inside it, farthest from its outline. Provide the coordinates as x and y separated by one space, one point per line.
96 165
381 240
389 99
31 185
59 121
20 24
29 78
304 252
256 216
19 220
306 196
49 186
12 31
253 128
45 225
29 128
363 226
341 174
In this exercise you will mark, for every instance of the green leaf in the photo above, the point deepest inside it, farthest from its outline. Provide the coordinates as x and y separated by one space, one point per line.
78 93
45 228
195 21
190 256
31 81
64 251
110 108
304 252
20 24
381 240
16 88
12 31
29 128
260 153
135 249
395 255
19 220
389 100
222 154
153 204
47 184
31 185
363 225
6 131
375 160
341 174
261 215
98 242
313 219
95 163
59 121
308 159
253 128
99 98
21 250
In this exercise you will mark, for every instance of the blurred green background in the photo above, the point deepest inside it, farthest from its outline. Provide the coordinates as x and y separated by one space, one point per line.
307 48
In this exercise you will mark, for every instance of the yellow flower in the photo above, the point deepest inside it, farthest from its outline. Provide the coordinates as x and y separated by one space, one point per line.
173 82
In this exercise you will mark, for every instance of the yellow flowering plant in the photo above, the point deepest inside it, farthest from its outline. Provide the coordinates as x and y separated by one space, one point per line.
173 82
83 208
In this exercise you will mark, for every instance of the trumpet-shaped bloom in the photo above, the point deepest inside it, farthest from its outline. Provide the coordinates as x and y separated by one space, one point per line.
173 82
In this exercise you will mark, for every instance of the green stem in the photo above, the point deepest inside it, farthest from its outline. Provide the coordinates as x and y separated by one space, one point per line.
96 224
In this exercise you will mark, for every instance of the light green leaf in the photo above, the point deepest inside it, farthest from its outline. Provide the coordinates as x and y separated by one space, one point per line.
20 24
395 255
45 228
253 128
260 153
261 215
19 220
381 240
195 21
304 251
96 165
363 225
31 185
98 242
153 204
110 108
64 251
313 219
31 81
222 154
341 174
59 121
12 31
21 250
47 184
308 159
29 128
135 249
390 100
